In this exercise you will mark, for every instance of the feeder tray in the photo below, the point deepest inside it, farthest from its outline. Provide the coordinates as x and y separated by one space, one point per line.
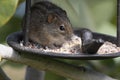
14 40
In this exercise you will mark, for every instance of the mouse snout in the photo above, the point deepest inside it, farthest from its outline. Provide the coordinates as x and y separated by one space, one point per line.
69 37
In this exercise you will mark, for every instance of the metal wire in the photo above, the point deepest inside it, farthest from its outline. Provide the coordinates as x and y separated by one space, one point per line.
118 23
27 22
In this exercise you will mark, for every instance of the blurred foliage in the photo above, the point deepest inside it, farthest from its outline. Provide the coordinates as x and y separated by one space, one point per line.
97 15
7 9
52 76
13 25
93 14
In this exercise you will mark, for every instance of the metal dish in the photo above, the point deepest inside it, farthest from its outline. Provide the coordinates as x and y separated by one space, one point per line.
14 41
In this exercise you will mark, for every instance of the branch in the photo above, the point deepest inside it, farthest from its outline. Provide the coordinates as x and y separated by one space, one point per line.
50 64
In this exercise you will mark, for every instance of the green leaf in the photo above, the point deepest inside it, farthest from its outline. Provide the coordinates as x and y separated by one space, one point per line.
7 9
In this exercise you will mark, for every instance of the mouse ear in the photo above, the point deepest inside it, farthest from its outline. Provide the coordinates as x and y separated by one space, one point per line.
51 18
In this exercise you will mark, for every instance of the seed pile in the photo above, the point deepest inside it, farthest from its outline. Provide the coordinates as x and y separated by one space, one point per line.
74 47
69 47
108 48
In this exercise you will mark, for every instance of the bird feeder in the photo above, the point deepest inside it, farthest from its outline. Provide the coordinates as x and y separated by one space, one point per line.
14 40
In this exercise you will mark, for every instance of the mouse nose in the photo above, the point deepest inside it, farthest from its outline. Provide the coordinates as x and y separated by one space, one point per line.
69 37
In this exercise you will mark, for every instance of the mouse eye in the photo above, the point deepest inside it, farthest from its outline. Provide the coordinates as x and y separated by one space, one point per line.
62 27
